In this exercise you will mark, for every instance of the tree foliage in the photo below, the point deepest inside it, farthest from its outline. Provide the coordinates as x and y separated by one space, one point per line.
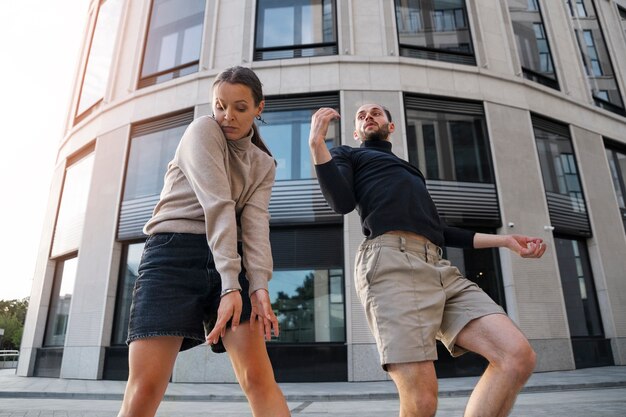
12 317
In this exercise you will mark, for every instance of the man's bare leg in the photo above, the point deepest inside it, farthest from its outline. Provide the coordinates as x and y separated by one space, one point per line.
417 388
511 362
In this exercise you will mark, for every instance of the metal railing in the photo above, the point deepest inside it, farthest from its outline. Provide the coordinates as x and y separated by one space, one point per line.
6 363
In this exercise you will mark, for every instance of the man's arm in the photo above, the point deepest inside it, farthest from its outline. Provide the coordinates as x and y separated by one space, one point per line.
317 137
524 246
335 178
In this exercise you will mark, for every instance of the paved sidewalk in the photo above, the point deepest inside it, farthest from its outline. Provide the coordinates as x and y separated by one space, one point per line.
13 386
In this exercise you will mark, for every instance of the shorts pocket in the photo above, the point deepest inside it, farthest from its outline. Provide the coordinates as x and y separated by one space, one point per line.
367 265
159 240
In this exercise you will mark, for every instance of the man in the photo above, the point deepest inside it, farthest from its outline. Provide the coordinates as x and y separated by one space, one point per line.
411 296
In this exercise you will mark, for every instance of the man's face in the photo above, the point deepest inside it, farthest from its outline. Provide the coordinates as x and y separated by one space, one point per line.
371 123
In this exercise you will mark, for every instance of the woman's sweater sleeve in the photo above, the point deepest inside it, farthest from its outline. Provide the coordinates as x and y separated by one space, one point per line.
201 157
255 231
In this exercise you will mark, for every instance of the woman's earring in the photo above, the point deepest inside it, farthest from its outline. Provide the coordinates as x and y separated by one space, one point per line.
260 119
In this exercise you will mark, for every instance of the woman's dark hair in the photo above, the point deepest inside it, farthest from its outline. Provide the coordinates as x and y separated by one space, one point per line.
247 77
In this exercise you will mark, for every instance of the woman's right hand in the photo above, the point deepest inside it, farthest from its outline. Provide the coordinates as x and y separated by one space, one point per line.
230 307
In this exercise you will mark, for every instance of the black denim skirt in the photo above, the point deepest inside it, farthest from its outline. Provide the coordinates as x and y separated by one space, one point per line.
177 292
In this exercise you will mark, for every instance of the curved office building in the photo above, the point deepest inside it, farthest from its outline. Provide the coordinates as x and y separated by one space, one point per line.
513 109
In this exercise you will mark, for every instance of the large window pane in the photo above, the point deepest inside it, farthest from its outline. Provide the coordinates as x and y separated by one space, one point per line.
622 15
581 304
595 56
69 226
174 40
564 193
435 29
449 146
558 166
295 28
287 135
152 146
309 305
532 43
481 266
617 165
147 162
126 283
60 302
100 55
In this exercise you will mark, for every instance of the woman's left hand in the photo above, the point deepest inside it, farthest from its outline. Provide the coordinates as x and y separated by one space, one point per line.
230 307
263 317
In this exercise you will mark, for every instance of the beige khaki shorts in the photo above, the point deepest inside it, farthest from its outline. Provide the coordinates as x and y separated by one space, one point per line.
412 297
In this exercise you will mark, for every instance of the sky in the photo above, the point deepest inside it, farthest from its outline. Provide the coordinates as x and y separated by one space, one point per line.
40 42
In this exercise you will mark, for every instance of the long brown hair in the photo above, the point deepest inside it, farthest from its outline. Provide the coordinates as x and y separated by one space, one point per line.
247 77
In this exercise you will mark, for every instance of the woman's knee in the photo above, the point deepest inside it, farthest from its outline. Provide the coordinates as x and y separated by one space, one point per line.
256 379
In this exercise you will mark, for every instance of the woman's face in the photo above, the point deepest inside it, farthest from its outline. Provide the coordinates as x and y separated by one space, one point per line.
234 109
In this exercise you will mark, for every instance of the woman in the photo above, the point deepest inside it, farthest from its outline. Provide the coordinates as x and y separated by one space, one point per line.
207 259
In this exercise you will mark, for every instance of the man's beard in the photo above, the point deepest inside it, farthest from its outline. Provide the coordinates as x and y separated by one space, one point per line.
381 134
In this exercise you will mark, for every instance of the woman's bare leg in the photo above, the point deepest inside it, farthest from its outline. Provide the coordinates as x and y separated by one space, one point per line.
150 363
248 354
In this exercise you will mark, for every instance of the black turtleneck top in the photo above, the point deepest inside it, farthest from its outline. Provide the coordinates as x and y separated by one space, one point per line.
388 193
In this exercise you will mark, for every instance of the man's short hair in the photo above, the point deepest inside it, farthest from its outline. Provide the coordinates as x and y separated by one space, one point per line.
388 113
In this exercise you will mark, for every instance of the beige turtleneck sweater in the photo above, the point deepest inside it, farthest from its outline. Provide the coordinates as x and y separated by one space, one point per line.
220 188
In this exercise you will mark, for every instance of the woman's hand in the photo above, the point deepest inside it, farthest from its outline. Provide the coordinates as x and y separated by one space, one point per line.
230 307
263 318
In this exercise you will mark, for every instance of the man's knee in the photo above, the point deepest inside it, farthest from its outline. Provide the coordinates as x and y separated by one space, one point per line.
520 360
425 404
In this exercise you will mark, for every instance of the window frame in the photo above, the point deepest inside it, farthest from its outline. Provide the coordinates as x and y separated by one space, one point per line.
176 71
78 114
296 49
437 54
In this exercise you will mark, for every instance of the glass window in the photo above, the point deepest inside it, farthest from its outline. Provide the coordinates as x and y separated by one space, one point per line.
174 40
147 162
595 56
592 54
100 55
60 301
287 135
532 43
309 304
152 146
481 266
617 165
69 226
580 8
128 275
295 28
449 146
564 193
558 166
435 29
622 15
581 304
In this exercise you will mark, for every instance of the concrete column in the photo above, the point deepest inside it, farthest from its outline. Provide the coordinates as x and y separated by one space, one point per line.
91 312
532 286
